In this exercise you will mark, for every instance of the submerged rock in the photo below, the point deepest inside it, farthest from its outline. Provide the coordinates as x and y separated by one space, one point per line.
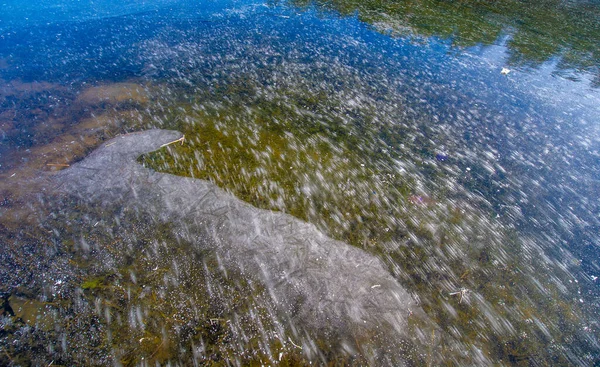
319 285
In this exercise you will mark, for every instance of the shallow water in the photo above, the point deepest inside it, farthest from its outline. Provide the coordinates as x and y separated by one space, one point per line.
457 143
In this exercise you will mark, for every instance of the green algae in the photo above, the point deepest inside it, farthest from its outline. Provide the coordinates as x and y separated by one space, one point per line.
91 284
352 191
277 156
282 160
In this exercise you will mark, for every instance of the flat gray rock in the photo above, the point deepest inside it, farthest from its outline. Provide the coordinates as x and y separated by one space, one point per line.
316 282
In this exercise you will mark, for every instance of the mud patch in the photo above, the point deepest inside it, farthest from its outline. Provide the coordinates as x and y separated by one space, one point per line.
118 93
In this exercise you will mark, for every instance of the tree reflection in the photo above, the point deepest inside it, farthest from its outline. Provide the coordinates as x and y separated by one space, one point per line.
538 31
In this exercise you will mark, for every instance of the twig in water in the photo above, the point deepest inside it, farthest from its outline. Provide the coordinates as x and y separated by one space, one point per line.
157 349
8 356
462 293
294 344
57 164
182 139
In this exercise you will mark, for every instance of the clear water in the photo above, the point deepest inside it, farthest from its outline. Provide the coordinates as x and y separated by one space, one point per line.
457 143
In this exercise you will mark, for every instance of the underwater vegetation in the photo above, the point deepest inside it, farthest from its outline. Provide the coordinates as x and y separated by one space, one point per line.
480 281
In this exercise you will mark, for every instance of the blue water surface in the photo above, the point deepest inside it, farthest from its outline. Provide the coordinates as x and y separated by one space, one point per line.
520 143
